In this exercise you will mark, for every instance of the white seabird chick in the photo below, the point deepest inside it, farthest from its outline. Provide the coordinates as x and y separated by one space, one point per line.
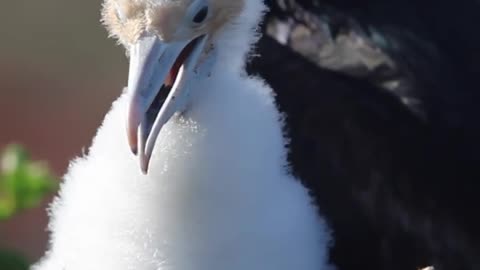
218 194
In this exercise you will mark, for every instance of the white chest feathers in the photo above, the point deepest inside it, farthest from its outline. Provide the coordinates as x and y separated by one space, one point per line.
218 195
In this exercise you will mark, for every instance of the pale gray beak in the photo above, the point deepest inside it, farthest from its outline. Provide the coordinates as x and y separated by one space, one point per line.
157 76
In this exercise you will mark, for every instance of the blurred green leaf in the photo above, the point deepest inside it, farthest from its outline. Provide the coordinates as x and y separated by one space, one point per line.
23 183
12 261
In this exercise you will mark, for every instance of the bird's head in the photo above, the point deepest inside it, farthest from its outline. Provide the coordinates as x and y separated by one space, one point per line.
167 41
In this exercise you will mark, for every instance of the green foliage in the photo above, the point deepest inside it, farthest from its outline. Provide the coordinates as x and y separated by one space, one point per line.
12 261
23 183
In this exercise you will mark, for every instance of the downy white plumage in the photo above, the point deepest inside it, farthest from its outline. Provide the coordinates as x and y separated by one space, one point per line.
218 194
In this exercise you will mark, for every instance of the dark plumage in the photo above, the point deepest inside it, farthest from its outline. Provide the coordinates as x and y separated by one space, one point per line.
390 152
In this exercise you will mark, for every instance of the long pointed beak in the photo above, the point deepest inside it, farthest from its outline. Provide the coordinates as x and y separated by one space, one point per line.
156 68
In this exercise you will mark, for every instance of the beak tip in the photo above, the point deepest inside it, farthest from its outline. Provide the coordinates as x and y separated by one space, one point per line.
144 168
132 136
132 143
144 163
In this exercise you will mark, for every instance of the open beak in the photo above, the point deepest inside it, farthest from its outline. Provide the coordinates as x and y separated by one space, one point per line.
158 72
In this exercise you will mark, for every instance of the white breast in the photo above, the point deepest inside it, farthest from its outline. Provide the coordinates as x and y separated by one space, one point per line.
218 195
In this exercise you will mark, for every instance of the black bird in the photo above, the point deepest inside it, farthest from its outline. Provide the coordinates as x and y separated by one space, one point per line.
384 134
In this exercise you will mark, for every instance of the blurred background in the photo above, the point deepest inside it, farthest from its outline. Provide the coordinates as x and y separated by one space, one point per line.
59 74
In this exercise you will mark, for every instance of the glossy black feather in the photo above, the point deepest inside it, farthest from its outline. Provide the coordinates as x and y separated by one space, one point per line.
397 181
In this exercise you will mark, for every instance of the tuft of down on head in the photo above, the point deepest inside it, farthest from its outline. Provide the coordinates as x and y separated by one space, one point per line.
171 20
232 23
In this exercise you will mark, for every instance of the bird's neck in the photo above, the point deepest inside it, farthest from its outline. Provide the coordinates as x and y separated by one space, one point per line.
231 127
235 40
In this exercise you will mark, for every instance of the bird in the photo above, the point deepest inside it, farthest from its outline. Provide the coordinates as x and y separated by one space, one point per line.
406 48
380 186
379 119
189 168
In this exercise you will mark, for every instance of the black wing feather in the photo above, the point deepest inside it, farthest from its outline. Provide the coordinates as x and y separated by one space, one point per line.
396 180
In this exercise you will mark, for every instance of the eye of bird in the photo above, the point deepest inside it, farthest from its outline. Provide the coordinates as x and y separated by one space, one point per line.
201 15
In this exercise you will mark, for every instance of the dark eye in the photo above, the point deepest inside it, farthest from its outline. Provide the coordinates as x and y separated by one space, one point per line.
201 15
